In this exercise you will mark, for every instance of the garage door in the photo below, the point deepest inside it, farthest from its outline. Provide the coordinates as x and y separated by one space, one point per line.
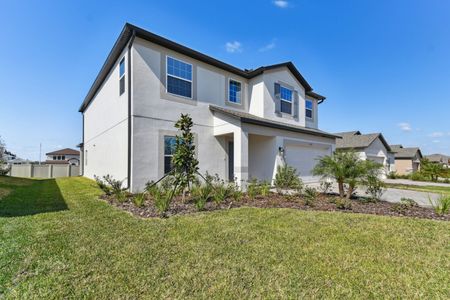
304 158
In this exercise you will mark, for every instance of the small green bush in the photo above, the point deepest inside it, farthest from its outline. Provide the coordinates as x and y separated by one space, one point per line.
253 188
343 203
408 202
139 199
151 188
418 176
287 178
222 191
201 194
310 194
236 194
162 200
442 205
265 188
374 187
103 185
392 175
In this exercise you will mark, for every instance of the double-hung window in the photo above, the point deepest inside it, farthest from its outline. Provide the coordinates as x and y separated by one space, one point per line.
169 149
179 77
286 100
234 91
309 109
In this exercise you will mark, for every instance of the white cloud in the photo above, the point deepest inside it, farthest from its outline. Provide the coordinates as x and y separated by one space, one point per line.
404 126
233 47
267 47
281 3
436 134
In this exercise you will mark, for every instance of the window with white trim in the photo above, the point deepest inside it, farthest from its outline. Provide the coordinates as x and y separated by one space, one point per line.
122 76
179 77
286 100
309 109
169 149
234 91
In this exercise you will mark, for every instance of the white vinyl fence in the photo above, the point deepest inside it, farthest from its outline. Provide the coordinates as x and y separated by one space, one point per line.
44 171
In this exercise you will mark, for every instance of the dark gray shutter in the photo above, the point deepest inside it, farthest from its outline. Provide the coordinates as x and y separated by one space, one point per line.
277 99
296 106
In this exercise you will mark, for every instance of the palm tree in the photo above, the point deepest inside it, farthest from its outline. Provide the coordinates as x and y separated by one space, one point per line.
345 167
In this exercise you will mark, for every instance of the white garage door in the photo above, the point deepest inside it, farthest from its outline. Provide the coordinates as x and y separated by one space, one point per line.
304 158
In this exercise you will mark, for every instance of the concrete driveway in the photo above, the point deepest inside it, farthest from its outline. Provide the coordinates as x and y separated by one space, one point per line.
393 195
418 183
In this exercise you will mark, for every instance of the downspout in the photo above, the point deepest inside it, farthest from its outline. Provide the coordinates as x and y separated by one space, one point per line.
133 34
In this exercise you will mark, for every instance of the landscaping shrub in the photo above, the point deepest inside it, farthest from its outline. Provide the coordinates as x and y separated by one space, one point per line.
162 200
418 176
102 185
139 199
343 203
151 188
287 178
201 194
442 205
310 194
265 188
408 202
392 175
236 193
253 188
222 191
325 186
374 187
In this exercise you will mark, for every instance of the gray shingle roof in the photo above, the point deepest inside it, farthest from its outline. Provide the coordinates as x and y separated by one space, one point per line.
438 158
401 152
356 140
252 119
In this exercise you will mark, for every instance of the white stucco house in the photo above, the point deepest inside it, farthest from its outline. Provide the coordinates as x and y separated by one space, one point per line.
246 122
64 156
372 146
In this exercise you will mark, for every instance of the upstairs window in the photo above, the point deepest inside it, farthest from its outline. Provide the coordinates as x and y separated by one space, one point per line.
169 149
309 109
179 77
234 91
122 76
286 100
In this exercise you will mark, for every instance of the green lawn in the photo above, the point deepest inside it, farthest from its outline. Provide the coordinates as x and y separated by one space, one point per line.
427 188
57 240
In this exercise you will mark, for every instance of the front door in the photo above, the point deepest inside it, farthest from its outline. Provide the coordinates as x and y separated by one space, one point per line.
230 161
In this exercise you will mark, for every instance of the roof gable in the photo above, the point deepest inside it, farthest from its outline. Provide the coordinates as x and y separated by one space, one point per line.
356 140
65 151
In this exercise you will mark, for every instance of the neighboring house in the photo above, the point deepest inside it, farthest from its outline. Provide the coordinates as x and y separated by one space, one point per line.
246 122
407 160
65 156
439 158
372 146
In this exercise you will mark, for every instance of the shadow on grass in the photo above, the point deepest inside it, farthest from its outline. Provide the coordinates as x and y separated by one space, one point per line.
24 197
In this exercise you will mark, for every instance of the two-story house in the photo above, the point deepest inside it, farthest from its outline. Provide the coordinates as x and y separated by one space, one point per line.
64 156
246 122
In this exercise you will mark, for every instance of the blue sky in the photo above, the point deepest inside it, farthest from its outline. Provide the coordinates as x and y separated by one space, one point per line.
383 65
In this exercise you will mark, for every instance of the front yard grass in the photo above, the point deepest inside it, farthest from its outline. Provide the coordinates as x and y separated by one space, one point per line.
57 240
427 188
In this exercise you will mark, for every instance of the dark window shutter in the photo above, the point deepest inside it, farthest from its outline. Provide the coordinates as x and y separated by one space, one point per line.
296 106
277 99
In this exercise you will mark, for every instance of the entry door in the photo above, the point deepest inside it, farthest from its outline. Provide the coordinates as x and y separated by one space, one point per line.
230 161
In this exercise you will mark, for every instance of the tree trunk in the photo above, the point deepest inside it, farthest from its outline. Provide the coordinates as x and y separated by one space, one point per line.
350 191
341 188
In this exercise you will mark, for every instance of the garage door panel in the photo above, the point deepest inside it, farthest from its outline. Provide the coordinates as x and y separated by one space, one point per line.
304 158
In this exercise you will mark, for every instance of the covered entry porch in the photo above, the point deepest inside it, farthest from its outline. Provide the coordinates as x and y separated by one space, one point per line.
255 147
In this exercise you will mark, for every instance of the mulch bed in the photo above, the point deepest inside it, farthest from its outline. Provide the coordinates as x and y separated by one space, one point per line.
323 203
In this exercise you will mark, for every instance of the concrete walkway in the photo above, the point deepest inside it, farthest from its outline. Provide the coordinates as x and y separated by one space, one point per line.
393 195
418 183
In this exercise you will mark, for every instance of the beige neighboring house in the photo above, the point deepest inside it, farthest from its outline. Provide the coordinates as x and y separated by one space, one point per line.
65 156
439 158
407 160
372 146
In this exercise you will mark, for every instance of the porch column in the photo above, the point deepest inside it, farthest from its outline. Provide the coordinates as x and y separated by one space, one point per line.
241 157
